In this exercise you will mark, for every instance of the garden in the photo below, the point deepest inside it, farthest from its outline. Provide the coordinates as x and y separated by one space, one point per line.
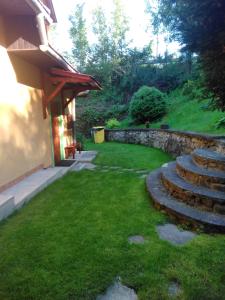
71 240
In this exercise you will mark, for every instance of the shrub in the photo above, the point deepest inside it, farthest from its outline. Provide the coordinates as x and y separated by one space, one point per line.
90 118
80 138
112 123
220 123
196 90
147 104
116 111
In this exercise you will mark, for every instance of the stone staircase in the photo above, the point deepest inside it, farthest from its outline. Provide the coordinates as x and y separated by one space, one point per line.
192 189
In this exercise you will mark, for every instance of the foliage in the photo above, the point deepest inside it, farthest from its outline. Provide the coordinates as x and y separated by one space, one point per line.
116 111
200 27
190 114
90 118
193 89
147 104
107 53
220 123
78 34
122 70
112 123
80 138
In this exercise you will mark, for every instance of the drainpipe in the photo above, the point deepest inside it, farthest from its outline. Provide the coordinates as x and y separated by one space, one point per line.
41 28
45 47
38 8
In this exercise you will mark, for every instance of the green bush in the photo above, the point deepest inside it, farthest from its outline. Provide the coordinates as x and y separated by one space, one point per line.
112 123
90 118
194 89
220 123
80 138
116 112
147 104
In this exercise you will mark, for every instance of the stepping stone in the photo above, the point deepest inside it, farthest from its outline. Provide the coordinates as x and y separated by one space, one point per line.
81 166
85 156
117 291
89 166
136 239
78 167
174 289
172 234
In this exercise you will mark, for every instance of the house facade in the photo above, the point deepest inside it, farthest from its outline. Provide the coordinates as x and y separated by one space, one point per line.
38 88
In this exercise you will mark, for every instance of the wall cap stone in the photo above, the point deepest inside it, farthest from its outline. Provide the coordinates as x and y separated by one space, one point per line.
179 132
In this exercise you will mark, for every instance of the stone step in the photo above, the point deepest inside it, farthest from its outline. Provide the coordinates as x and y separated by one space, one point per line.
209 159
191 172
186 214
7 205
197 196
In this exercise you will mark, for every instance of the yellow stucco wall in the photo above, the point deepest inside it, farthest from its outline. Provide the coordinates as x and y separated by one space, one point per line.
25 137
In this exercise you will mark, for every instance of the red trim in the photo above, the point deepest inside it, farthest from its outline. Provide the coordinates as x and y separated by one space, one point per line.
55 92
74 77
69 79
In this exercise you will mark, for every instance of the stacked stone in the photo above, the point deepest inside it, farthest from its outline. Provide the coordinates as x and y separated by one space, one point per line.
192 189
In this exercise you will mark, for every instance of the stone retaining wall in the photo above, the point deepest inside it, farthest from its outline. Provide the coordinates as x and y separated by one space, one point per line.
174 142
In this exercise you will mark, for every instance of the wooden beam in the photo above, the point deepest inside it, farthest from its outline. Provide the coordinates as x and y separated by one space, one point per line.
70 100
43 92
55 92
62 101
69 80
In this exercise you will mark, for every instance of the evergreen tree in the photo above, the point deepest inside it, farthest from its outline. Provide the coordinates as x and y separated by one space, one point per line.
200 26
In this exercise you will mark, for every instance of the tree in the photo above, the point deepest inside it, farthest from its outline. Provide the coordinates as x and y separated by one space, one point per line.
108 52
78 34
120 28
200 27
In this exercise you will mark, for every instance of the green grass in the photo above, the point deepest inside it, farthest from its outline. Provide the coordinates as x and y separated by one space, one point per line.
128 156
186 114
70 241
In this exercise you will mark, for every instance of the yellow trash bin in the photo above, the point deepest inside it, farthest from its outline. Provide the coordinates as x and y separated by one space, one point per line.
98 134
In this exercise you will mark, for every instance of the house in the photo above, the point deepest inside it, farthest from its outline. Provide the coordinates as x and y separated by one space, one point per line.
37 91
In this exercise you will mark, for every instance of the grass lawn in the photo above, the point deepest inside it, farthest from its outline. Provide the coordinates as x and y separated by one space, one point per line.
70 241
186 114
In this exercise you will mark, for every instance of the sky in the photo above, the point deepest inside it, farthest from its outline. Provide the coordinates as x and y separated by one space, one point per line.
134 10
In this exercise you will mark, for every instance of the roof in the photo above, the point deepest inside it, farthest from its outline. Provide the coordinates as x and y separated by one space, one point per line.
74 80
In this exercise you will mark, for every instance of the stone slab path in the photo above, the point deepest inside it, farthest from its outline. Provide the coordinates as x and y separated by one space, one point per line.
16 196
172 234
83 166
84 162
117 291
136 239
85 156
142 174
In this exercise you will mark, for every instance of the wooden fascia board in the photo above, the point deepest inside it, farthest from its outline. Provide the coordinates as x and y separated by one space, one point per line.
69 74
69 80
